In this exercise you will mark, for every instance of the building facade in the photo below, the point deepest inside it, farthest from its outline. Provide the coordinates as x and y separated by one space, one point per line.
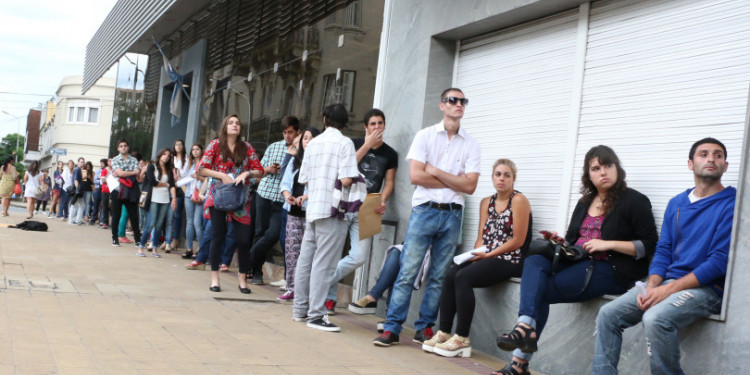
81 123
547 80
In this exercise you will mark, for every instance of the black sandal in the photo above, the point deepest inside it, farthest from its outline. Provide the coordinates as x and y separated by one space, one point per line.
518 338
509 370
187 255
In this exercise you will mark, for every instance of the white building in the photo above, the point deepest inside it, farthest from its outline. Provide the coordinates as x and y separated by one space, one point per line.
81 124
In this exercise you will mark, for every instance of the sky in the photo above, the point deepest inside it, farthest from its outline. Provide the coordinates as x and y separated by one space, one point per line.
41 42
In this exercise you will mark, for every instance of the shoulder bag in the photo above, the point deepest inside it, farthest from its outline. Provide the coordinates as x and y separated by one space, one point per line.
229 197
557 252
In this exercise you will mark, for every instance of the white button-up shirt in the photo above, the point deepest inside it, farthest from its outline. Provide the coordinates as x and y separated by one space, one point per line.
328 157
456 156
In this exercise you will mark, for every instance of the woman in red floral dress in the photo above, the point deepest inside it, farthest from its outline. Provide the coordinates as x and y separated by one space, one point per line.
230 160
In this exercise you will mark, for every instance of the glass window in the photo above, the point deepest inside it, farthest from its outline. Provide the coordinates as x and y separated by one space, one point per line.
341 91
93 114
71 114
353 14
80 114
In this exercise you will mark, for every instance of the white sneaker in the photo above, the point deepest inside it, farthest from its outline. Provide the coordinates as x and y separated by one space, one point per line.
281 284
323 324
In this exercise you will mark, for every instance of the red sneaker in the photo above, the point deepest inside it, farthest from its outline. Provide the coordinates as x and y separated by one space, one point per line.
125 240
330 306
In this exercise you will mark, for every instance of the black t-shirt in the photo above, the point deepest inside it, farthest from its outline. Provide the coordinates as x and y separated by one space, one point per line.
375 163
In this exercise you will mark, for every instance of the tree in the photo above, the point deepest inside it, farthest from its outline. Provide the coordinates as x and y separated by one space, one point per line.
8 148
133 121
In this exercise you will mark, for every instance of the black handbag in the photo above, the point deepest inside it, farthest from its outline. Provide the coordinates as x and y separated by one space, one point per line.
229 197
557 252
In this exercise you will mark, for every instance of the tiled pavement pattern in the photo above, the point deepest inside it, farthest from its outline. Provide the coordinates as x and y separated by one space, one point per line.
70 303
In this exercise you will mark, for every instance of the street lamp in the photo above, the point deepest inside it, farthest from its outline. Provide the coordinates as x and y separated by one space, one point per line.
18 131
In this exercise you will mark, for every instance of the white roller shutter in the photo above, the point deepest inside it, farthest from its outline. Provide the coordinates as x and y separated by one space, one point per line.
660 75
519 84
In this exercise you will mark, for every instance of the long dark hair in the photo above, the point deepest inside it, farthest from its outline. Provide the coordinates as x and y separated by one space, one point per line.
168 166
190 154
297 162
7 160
240 149
33 168
89 170
606 156
177 155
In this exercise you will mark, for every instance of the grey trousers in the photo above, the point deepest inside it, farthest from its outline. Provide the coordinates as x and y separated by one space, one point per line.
321 250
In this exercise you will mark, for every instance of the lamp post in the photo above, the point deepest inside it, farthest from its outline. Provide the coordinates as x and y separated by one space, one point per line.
18 131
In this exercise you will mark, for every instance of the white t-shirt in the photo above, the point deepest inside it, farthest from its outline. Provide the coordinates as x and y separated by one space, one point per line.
460 155
160 194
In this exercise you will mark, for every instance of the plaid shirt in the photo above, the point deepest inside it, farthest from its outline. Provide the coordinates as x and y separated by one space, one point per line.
131 164
269 185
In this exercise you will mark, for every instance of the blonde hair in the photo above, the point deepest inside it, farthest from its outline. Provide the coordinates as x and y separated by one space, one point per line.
507 162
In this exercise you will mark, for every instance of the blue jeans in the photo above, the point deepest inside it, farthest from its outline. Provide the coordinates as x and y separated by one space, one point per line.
539 289
194 222
205 244
427 226
95 209
176 222
63 210
88 198
359 251
156 216
660 325
387 276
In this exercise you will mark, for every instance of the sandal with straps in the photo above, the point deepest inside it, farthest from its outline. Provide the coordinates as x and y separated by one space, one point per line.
510 370
518 338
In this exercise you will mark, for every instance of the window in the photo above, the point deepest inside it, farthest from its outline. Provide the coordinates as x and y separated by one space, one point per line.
82 111
353 15
341 91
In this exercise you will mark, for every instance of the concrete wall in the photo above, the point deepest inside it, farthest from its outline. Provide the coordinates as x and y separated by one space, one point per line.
419 56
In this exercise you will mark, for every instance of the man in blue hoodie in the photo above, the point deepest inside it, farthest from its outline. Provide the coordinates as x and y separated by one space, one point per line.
686 276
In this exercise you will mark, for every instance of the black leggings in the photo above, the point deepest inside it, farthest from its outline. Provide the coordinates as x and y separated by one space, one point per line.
41 203
457 298
242 239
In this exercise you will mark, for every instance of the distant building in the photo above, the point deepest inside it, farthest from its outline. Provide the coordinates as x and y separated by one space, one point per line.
78 124
31 148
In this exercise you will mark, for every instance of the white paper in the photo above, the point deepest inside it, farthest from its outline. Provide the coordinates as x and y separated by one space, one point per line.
184 181
113 183
465 257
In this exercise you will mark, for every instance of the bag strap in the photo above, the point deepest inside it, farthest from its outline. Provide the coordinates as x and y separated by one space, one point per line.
589 271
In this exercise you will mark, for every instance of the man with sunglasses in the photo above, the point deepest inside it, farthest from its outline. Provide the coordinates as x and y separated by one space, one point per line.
444 165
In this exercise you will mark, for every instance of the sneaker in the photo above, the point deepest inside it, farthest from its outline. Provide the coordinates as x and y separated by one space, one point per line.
36 212
422 335
104 226
281 284
286 297
168 248
380 326
323 324
223 268
457 346
149 245
299 318
115 243
125 240
363 306
331 306
439 338
386 339
258 279
196 265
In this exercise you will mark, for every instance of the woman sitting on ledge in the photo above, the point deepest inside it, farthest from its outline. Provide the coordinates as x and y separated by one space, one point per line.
504 227
615 225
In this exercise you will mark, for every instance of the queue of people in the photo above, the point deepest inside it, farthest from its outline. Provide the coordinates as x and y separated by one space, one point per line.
303 193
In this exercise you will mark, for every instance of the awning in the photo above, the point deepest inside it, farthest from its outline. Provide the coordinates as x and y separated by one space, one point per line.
129 27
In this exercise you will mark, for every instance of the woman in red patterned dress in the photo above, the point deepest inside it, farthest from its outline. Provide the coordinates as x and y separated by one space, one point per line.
230 160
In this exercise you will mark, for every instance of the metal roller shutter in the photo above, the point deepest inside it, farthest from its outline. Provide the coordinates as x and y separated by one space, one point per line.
519 84
660 75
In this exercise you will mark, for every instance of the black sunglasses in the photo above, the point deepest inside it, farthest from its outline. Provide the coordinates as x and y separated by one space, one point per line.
454 100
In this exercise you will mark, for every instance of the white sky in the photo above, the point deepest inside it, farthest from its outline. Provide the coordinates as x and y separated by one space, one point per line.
42 41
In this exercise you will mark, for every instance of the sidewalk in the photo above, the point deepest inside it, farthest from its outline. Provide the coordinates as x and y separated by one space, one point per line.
73 304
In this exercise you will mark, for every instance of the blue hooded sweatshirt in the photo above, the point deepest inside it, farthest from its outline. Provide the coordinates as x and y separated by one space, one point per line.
695 238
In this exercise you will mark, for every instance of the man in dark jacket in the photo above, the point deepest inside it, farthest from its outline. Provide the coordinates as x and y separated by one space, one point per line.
686 276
